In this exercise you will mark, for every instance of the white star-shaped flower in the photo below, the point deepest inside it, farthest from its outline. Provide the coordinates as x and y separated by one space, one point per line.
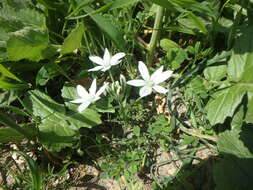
88 97
150 83
107 62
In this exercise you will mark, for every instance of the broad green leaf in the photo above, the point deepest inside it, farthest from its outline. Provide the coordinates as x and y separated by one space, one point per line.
27 43
73 41
59 127
8 134
215 73
249 114
240 64
235 169
233 173
12 20
224 103
109 29
240 68
230 142
217 69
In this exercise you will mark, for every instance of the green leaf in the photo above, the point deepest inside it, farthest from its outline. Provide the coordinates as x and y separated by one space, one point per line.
10 86
167 44
234 171
110 30
7 96
59 128
224 100
249 114
12 20
229 142
73 41
178 5
215 73
197 22
121 3
36 173
240 68
10 135
27 43
240 64
6 73
8 122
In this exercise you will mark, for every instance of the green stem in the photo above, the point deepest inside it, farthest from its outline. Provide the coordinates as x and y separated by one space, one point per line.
155 35
110 73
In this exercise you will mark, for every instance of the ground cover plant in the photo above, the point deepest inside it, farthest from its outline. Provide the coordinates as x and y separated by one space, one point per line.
126 94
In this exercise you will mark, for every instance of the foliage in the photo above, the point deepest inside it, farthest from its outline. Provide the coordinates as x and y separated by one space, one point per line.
45 49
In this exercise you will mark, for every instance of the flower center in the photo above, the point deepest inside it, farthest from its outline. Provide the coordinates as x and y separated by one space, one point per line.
150 83
91 98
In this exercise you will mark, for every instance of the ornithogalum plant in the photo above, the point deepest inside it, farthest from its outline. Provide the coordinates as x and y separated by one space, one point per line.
88 97
107 61
150 83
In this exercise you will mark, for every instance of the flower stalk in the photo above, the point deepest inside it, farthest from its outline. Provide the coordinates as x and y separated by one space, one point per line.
155 35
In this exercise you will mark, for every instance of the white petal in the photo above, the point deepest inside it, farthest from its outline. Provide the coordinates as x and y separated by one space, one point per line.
105 68
97 68
144 91
136 82
143 70
162 77
93 88
157 73
107 56
97 60
77 101
101 90
81 91
83 106
160 89
116 58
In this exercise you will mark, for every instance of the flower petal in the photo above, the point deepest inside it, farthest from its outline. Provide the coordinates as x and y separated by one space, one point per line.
136 83
116 58
93 87
144 91
77 101
105 68
83 106
81 91
160 89
106 56
97 68
163 77
143 70
157 73
101 90
97 60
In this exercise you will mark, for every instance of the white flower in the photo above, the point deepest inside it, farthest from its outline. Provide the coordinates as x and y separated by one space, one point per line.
107 61
88 97
150 83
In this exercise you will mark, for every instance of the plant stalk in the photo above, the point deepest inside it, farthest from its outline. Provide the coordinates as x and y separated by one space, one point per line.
155 35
